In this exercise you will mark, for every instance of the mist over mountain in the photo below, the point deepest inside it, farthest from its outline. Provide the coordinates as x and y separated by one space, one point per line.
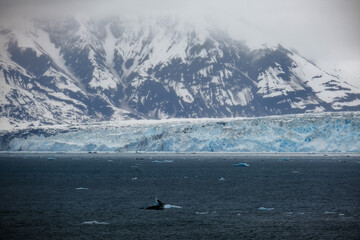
80 69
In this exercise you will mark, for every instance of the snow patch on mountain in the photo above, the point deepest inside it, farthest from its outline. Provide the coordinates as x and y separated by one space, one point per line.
326 86
271 84
42 39
244 97
103 79
340 105
182 92
302 103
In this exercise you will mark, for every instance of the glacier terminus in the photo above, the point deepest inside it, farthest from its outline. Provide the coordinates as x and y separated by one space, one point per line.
324 132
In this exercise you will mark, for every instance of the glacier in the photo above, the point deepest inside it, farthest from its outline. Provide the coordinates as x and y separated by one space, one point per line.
316 132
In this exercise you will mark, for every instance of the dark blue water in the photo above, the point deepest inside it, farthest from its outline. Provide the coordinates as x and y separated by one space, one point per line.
99 196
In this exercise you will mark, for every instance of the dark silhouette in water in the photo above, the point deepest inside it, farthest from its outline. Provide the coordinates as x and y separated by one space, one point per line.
158 206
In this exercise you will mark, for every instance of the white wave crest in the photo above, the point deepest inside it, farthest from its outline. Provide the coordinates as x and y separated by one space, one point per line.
171 206
202 213
95 222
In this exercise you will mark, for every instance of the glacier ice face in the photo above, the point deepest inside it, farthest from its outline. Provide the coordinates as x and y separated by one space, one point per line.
325 132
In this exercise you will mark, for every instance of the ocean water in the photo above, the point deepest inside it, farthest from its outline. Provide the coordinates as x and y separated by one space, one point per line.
103 196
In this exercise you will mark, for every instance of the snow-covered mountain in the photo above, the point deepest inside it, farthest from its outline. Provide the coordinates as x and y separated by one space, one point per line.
85 70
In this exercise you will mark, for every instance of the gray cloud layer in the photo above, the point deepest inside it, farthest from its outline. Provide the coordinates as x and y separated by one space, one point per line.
327 31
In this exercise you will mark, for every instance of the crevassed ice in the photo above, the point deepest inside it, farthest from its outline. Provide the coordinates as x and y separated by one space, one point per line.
325 132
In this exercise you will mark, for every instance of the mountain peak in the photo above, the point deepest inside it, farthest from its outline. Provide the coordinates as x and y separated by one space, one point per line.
84 69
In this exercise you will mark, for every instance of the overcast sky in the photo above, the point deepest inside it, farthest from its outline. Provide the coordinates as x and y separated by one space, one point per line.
325 31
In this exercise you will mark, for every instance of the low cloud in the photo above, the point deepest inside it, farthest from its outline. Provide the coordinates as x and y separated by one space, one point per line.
326 31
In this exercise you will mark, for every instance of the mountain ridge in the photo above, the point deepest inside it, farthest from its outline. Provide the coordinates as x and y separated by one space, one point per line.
85 70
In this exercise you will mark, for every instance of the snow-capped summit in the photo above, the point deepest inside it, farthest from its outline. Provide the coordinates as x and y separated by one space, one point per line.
85 70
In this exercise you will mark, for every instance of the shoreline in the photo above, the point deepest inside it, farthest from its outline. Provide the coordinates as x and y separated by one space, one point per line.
187 154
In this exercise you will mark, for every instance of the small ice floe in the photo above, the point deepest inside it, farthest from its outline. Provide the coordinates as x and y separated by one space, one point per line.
241 165
162 161
330 213
95 222
81 188
300 213
222 179
265 209
202 213
171 206
295 171
134 178
341 214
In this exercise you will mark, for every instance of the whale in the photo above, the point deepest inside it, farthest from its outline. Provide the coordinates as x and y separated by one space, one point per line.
158 206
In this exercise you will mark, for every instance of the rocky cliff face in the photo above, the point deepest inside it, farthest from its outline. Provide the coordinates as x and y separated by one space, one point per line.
83 70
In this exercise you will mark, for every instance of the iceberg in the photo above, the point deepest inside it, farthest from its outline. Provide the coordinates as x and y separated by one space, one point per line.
311 133
162 161
265 209
241 165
